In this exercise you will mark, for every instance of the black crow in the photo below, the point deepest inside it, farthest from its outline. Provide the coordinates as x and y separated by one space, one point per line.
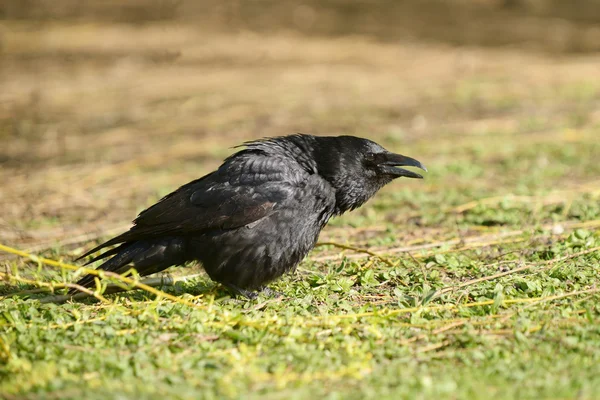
258 215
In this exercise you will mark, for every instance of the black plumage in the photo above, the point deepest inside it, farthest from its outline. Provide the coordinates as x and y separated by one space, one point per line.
258 215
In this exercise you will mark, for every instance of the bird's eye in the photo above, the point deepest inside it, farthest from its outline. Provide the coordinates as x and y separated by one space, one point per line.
370 160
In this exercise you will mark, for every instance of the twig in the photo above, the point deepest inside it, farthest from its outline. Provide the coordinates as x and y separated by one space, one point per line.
119 278
433 346
520 269
164 280
535 300
470 242
358 250
160 281
51 286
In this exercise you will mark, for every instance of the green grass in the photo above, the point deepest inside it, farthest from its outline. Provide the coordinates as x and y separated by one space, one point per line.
482 280
357 327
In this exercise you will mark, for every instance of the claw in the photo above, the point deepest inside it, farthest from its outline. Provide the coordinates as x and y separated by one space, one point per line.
271 293
240 292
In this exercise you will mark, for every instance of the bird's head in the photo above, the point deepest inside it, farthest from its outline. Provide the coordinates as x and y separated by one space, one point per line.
357 168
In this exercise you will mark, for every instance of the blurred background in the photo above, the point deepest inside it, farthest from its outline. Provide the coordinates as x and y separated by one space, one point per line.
107 105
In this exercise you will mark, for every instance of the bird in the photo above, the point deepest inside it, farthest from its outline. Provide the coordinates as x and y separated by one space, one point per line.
259 214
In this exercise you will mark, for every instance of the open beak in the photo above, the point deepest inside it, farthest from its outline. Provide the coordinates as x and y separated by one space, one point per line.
391 162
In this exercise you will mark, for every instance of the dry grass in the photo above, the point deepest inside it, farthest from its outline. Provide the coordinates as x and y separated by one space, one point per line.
77 128
485 264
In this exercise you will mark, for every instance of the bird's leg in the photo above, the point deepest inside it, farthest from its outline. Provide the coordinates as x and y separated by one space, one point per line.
240 292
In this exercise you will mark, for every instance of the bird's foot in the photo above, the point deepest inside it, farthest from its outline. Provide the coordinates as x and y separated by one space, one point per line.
252 295
271 293
241 292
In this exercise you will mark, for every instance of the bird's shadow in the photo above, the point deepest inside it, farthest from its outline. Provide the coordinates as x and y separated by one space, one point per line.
194 289
198 289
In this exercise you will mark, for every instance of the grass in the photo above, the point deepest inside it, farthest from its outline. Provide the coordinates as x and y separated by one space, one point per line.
480 281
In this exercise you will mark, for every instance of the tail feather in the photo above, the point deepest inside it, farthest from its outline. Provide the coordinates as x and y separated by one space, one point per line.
117 264
116 240
146 256
108 253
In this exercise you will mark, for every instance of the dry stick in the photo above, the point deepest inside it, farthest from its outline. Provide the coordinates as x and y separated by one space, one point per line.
492 239
450 327
319 319
85 292
455 306
557 196
101 274
496 199
358 250
432 347
423 246
523 268
435 332
408 249
52 286
471 242
163 280
565 322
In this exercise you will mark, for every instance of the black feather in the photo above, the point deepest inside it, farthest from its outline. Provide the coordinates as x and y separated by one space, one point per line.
258 215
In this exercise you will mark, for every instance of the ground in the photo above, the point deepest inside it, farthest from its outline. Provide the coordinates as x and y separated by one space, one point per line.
478 282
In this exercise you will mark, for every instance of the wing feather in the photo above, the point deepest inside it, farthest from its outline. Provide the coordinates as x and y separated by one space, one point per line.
242 191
